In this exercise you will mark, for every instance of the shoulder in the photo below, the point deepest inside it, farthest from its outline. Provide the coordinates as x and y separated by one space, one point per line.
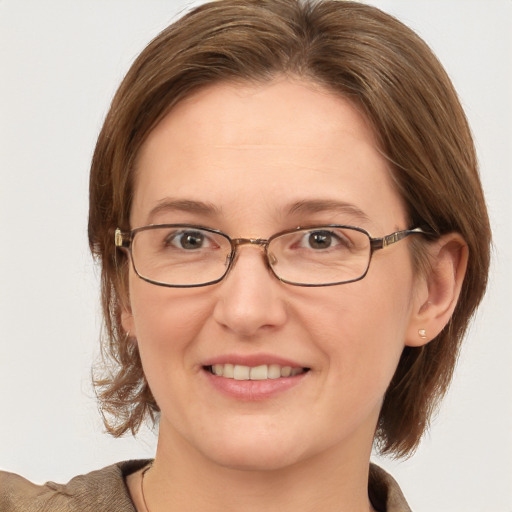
99 491
385 493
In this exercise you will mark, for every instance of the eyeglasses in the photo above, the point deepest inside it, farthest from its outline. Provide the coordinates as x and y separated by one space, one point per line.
184 256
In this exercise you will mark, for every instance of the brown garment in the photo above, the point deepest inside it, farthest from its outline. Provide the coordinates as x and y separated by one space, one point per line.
105 491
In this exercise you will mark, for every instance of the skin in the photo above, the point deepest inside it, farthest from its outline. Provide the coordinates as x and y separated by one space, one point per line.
251 151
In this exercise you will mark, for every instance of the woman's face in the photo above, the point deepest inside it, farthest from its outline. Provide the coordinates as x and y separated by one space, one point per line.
253 160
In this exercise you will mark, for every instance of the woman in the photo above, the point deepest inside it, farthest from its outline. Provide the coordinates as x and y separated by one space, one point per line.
293 238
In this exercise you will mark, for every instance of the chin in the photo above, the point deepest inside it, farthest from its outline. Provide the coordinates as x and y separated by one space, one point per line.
253 453
255 460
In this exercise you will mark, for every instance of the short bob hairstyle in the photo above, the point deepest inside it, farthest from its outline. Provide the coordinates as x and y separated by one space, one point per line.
357 52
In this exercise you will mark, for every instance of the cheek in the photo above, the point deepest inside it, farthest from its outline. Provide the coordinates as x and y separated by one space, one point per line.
361 333
167 323
166 320
361 328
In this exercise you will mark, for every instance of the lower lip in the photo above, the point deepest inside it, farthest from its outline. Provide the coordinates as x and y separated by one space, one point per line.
253 390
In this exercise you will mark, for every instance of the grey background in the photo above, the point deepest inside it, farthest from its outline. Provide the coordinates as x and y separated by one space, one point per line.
60 63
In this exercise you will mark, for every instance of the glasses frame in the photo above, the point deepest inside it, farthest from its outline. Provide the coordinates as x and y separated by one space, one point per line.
123 240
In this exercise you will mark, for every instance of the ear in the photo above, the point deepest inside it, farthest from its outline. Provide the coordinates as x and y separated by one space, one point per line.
438 289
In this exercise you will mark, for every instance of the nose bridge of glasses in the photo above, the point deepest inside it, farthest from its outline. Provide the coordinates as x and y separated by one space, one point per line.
260 242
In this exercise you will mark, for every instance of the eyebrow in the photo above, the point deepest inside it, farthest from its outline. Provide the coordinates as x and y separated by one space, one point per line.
327 205
303 207
183 205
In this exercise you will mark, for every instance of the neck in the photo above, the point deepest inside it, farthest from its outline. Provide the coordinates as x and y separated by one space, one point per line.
181 479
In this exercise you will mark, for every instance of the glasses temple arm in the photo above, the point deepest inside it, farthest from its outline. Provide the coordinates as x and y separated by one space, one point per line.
380 243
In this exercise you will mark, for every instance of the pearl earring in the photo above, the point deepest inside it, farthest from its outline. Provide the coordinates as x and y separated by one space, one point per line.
422 334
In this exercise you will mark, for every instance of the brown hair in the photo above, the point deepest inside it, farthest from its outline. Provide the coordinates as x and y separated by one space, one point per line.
356 51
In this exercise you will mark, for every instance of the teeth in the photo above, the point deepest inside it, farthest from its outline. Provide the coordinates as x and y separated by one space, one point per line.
259 372
286 371
274 371
218 369
262 372
242 372
229 371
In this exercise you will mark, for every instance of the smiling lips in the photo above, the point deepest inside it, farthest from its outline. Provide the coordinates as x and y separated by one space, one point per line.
261 372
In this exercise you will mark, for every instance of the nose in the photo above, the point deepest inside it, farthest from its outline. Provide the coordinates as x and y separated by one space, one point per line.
250 298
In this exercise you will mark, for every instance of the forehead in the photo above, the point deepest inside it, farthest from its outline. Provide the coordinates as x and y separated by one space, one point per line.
248 149
256 113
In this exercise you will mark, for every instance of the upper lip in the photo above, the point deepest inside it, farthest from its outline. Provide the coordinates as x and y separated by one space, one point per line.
252 360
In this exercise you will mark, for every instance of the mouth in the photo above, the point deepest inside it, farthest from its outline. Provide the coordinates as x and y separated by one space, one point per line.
260 372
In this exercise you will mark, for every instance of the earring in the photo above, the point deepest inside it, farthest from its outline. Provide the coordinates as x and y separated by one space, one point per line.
422 334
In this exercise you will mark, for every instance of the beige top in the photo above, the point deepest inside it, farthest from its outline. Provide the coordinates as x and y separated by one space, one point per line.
105 491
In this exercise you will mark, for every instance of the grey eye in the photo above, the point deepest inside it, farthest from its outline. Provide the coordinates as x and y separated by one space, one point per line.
320 239
188 240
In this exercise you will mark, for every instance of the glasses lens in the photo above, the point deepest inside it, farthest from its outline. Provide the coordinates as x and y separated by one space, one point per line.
320 255
180 255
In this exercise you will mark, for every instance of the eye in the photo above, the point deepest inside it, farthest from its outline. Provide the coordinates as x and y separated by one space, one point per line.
189 240
320 239
323 239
